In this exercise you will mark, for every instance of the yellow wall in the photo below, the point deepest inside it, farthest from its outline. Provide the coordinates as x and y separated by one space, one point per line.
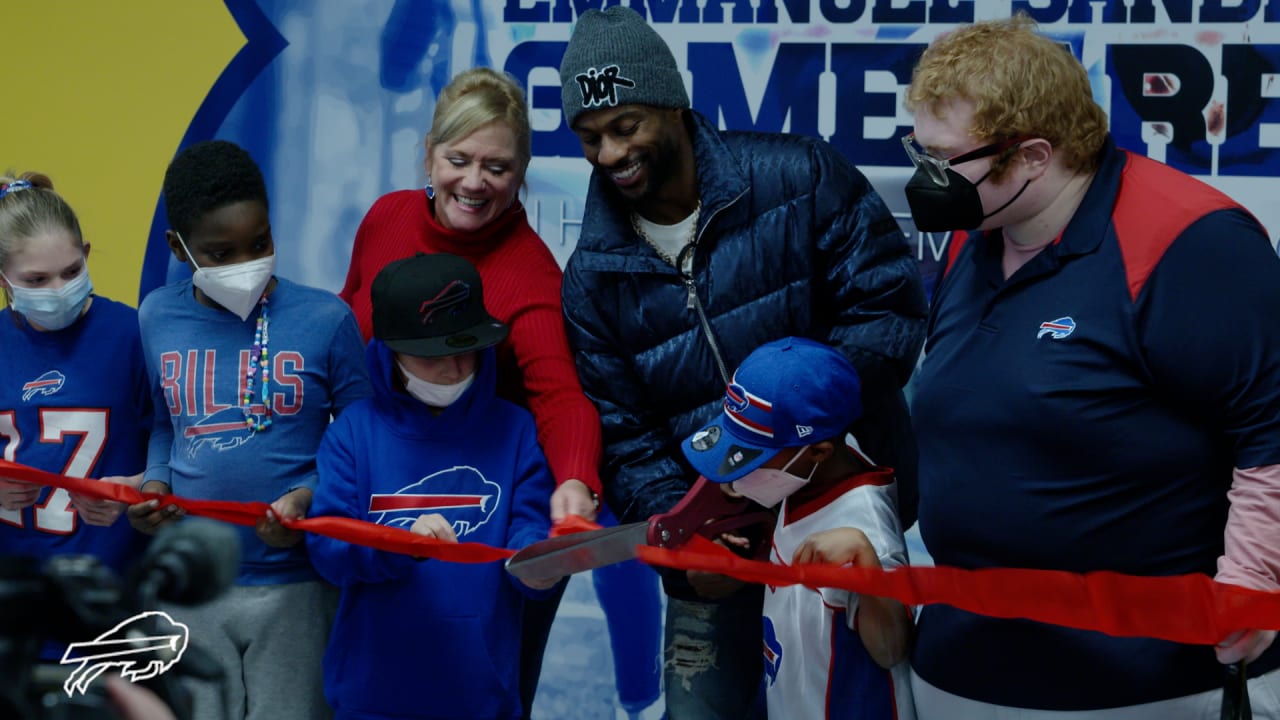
98 94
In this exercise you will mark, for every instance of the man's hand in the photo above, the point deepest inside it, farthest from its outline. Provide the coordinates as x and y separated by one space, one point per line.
434 526
148 517
838 546
17 494
103 513
540 583
573 497
1245 645
292 505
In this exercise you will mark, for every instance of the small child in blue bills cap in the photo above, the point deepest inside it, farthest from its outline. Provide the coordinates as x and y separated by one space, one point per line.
781 441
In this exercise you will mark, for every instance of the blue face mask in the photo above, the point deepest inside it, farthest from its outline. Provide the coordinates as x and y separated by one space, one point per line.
52 309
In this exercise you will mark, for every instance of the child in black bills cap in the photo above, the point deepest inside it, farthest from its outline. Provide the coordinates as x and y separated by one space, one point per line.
436 452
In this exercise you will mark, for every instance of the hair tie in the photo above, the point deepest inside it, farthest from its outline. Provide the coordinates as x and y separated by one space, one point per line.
15 186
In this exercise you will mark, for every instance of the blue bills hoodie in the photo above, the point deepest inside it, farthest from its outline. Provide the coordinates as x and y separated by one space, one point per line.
428 639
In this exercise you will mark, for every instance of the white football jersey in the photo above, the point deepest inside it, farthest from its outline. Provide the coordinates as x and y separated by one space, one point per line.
815 663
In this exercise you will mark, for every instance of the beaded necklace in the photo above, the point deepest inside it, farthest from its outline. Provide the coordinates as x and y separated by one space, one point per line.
258 359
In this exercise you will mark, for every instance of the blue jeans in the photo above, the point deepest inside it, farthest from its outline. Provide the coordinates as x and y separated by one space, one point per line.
631 596
713 663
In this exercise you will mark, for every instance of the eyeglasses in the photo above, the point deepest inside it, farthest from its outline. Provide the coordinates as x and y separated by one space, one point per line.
936 168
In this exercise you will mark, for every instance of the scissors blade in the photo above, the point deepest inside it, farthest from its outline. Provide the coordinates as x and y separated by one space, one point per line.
569 554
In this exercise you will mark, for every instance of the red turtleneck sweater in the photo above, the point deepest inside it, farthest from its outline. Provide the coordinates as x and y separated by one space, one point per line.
522 289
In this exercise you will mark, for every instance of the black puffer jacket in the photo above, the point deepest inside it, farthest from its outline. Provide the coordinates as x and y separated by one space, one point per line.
792 240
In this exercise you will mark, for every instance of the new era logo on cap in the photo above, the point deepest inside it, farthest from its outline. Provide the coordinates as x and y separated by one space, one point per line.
600 87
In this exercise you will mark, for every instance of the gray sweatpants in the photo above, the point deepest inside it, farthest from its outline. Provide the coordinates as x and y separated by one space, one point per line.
269 641
935 704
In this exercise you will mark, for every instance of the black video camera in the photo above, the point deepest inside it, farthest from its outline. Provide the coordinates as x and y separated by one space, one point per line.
76 606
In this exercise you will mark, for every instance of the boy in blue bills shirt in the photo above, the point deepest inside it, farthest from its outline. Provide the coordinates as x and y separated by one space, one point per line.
436 452
247 369
781 441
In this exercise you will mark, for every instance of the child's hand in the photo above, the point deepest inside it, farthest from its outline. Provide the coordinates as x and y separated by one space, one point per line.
291 506
102 513
434 526
733 540
17 494
93 511
838 546
148 517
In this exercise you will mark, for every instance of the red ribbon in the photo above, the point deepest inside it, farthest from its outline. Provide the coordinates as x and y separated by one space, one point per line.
1183 608
358 532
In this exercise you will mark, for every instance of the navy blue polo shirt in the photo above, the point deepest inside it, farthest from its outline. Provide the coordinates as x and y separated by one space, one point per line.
1086 415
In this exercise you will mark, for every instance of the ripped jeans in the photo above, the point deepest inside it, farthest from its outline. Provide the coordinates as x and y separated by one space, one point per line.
713 662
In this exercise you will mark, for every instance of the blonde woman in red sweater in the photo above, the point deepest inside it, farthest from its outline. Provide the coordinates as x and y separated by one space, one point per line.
477 152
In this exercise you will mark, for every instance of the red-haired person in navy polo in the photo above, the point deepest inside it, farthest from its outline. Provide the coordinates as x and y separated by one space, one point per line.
1100 388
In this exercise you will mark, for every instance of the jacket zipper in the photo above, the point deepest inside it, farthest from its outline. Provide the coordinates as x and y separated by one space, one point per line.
693 303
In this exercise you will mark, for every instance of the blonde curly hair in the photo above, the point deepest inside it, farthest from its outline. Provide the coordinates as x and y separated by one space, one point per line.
1021 83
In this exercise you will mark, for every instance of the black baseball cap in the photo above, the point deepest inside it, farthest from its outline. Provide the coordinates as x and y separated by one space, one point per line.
432 306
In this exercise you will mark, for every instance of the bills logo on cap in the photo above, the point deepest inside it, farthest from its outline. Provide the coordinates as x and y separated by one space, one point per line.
600 87
452 300
747 410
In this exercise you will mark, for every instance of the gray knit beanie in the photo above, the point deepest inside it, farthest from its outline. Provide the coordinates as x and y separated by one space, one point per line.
615 58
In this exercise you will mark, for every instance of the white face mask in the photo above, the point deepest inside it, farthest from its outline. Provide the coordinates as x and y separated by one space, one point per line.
52 309
434 394
769 486
235 287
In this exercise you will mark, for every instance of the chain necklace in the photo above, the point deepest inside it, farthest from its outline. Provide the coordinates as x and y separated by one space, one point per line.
258 359
672 259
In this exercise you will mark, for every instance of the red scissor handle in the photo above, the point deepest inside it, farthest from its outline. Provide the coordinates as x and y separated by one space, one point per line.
705 510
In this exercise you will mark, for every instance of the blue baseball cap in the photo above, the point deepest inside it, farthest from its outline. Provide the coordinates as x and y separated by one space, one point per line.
786 394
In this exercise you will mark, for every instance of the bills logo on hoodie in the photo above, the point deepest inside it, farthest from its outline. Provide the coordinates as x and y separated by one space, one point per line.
461 494
47 384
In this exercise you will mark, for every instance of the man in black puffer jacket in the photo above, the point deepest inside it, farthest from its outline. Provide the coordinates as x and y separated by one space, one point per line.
698 246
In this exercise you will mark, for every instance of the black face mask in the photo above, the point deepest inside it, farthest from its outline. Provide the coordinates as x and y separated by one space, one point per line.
956 206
